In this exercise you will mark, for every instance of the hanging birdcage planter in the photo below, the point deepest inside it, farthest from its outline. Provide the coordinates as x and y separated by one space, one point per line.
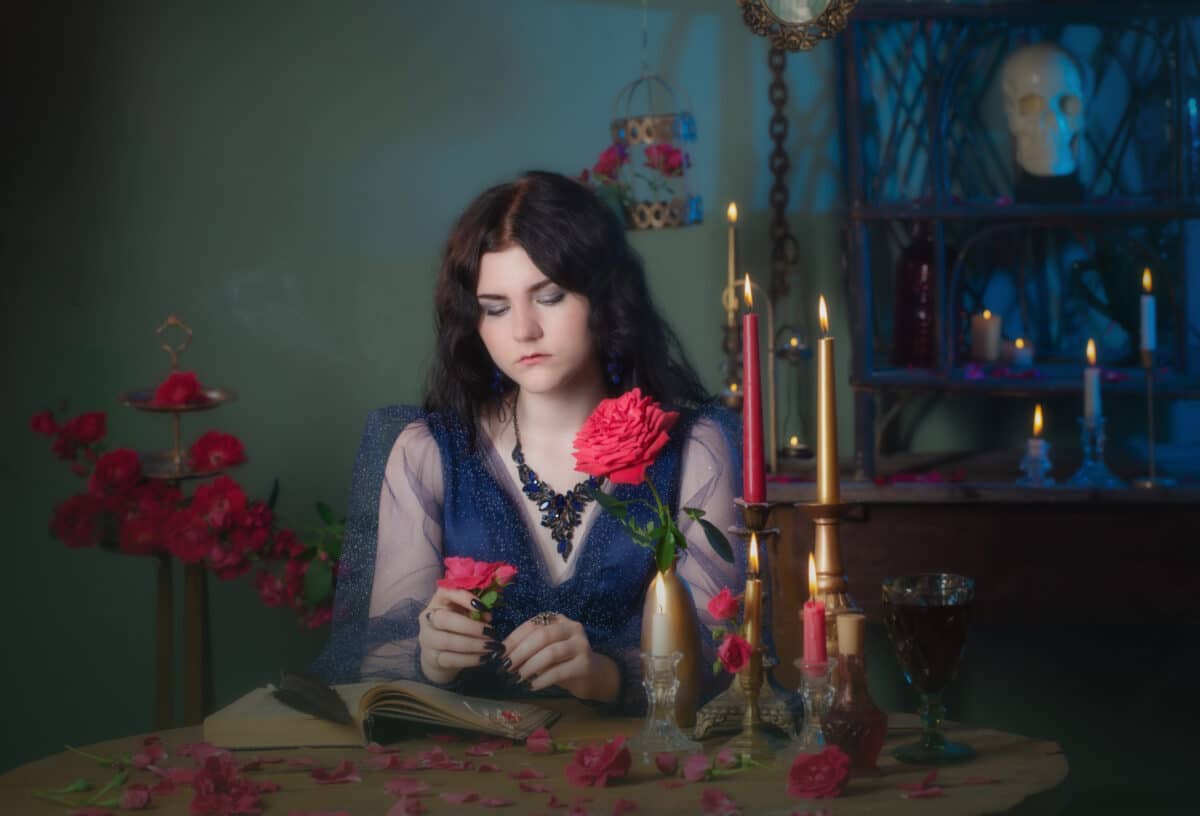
652 133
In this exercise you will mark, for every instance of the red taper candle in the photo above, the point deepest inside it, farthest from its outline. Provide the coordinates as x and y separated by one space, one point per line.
754 474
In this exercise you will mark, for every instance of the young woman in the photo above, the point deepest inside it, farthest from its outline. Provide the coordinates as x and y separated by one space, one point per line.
542 311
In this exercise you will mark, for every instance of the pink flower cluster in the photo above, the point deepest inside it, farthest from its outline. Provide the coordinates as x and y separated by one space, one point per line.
734 651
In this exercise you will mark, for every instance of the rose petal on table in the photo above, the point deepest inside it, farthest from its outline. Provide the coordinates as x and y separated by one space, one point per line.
528 773
539 742
495 802
726 759
376 748
555 802
346 771
672 784
622 806
393 762
200 751
433 757
405 786
696 767
268 787
980 780
535 787
932 792
459 797
487 767
406 806
666 762
924 784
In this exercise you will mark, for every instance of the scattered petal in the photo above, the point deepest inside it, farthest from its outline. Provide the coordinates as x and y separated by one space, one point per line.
269 787
727 759
535 787
555 802
495 802
487 767
696 767
376 748
135 797
393 762
932 792
344 772
459 798
924 784
666 762
405 786
406 806
540 742
622 806
528 773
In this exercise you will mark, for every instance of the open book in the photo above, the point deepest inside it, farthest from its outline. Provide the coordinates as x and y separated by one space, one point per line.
380 712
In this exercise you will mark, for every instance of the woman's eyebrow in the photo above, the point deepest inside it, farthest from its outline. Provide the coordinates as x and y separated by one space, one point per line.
537 287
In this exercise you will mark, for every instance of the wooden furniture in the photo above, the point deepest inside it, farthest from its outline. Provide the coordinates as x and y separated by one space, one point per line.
1029 776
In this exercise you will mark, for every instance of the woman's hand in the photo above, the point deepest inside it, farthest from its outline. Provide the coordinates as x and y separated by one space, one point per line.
553 650
450 640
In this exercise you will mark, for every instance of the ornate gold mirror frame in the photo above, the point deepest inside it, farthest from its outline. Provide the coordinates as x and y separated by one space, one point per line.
796 25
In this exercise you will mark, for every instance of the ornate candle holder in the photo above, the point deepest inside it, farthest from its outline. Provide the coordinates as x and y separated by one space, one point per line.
1093 472
1153 479
1035 465
817 688
832 586
764 719
661 733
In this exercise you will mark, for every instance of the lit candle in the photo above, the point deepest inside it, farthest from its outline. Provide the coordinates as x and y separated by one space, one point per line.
1149 338
814 619
731 271
827 453
1091 387
1037 445
1022 354
753 598
660 631
985 336
754 475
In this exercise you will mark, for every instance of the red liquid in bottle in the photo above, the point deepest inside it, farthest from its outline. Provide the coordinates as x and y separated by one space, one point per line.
854 723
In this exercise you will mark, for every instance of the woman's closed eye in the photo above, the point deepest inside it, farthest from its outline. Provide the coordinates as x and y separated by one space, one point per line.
497 309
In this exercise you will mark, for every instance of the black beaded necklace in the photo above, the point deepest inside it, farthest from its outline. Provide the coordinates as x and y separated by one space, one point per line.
561 512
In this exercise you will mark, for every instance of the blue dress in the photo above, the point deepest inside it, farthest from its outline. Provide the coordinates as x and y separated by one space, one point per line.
439 497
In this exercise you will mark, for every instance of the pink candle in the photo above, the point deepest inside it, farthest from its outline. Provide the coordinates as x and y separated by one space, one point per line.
813 617
754 475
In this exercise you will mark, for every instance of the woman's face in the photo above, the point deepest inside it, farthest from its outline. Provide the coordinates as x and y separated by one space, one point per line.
534 330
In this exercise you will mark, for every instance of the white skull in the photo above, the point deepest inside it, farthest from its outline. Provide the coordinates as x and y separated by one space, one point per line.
1043 99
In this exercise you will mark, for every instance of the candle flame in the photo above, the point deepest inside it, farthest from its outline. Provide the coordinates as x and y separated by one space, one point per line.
1020 342
795 341
987 314
660 594
812 577
794 441
1147 280
1091 352
823 313
733 386
1037 419
731 213
754 552
749 298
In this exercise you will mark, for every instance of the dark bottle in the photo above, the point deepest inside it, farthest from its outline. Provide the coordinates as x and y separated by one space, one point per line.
854 723
913 326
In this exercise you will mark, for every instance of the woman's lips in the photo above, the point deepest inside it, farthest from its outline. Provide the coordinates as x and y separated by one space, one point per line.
532 359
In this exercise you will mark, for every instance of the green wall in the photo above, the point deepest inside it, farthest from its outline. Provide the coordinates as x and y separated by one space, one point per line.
282 175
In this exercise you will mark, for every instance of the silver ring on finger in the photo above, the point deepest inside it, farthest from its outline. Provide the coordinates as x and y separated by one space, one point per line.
429 617
544 618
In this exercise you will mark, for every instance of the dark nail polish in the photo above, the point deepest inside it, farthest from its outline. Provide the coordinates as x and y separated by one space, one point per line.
495 646
507 664
478 604
526 684
489 631
486 658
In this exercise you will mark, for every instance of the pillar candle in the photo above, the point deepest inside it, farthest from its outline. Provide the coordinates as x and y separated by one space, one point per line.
1022 355
731 261
754 475
1149 338
1091 387
813 617
828 491
985 336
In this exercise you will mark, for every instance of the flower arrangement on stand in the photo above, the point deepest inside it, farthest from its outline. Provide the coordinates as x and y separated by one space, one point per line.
616 180
733 650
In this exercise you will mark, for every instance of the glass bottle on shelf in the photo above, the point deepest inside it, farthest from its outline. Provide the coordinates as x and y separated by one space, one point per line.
913 326
854 723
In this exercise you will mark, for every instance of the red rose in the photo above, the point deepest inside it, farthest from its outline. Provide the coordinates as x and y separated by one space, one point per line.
819 776
734 653
469 574
152 497
540 742
724 605
179 388
666 159
622 436
142 534
219 502
227 562
610 161
257 516
187 536
220 790
286 545
77 521
64 447
593 765
117 473
216 451
270 589
43 423
86 428
320 616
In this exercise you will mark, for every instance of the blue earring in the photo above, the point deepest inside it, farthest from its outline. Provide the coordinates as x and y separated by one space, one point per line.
497 380
614 370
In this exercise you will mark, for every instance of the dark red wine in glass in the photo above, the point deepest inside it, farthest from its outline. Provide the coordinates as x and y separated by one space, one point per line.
927 618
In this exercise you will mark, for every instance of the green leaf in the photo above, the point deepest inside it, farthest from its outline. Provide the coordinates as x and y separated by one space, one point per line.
78 786
716 540
489 598
716 667
318 581
274 497
694 513
325 512
665 553
613 505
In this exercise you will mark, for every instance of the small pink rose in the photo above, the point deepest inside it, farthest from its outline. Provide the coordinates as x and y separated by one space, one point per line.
540 742
726 759
696 767
734 653
724 605
666 762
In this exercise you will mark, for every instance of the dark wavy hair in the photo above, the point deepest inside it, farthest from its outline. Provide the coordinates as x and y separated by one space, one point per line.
578 242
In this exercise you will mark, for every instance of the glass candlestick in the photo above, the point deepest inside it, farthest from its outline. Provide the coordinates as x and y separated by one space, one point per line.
817 691
1093 472
661 681
1035 464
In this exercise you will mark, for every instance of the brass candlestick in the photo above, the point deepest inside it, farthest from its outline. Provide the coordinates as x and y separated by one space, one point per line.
1152 480
832 586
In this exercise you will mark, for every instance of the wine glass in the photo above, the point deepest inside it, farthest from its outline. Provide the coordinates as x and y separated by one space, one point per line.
927 617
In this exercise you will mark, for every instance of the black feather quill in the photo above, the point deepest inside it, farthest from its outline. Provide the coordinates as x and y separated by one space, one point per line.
308 694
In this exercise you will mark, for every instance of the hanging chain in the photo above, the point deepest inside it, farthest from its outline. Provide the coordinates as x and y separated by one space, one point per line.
784 249
645 41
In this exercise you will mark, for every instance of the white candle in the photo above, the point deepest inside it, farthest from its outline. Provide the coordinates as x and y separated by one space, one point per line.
660 631
731 262
1149 338
1037 445
1091 387
1022 354
985 336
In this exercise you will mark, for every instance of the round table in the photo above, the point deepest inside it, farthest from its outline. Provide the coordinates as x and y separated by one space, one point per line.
1029 776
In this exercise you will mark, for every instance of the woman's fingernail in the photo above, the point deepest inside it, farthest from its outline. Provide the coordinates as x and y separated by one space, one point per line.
507 664
489 631
486 658
495 646
478 604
